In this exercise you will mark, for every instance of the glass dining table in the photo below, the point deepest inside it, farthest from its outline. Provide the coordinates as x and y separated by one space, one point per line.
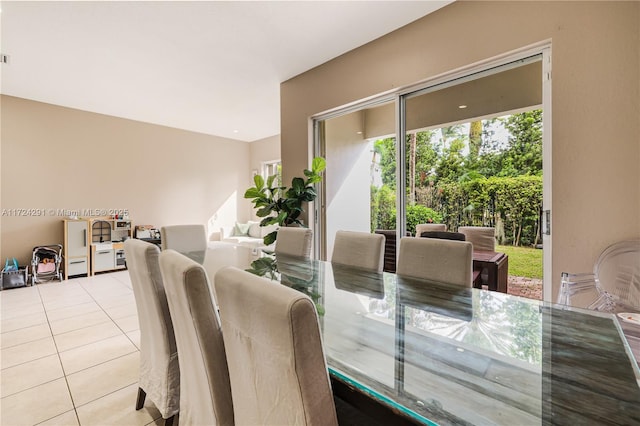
435 353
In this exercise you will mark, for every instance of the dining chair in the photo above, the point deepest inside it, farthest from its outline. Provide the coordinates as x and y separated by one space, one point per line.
184 238
455 236
277 366
443 235
390 248
159 378
440 260
294 241
482 237
205 392
425 227
614 284
359 249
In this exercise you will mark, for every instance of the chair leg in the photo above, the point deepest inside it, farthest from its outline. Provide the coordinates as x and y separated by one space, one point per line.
169 421
140 401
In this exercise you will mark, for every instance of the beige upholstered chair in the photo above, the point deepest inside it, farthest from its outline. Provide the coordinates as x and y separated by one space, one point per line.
427 227
359 249
159 371
184 238
446 261
205 392
294 241
276 361
482 237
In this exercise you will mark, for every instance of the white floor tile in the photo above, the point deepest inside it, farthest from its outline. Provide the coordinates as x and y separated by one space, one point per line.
96 353
121 311
21 322
78 322
33 373
27 352
118 408
24 335
19 310
128 324
134 336
72 311
70 418
85 336
36 404
103 379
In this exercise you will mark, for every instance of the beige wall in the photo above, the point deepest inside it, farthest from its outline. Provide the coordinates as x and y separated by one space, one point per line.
60 158
595 102
264 150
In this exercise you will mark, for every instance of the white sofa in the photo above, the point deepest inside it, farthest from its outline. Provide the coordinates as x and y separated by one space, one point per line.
253 237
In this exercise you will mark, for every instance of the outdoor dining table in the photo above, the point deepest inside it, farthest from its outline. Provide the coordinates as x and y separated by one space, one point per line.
497 266
433 353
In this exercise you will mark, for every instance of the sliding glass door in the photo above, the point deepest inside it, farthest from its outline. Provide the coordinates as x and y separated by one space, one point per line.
471 155
351 143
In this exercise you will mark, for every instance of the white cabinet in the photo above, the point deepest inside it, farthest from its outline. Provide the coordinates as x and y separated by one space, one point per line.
104 260
76 247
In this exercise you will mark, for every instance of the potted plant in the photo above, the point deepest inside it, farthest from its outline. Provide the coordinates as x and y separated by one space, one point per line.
281 205
284 206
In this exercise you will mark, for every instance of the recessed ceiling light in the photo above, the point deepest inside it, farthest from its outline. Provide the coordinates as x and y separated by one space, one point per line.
236 131
462 106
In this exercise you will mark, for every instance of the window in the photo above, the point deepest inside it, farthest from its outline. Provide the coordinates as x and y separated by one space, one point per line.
270 168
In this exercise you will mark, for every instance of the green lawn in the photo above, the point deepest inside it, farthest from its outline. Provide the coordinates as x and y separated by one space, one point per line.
523 261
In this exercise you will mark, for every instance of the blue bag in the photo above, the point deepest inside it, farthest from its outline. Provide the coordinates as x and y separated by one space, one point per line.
10 265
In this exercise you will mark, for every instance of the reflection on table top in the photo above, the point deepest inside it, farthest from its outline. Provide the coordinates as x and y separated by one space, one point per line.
453 355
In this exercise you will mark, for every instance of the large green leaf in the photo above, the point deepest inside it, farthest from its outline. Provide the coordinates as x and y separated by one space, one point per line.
265 211
253 193
281 217
258 180
270 238
269 221
297 185
318 164
270 180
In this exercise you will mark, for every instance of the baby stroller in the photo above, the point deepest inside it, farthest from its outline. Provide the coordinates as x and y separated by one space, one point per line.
45 263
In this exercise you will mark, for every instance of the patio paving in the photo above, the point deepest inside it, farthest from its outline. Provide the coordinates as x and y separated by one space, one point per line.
526 287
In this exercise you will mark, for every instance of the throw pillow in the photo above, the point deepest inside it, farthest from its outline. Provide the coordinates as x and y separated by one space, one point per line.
254 229
241 229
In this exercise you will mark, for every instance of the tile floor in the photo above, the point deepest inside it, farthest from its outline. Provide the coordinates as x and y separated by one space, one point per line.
69 354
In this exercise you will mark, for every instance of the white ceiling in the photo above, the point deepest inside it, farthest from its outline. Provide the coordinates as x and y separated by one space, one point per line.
205 66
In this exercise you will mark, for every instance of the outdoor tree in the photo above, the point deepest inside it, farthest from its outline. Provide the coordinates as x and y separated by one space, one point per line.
475 142
524 155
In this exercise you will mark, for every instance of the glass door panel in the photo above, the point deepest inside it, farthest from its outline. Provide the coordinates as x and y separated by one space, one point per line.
473 157
355 178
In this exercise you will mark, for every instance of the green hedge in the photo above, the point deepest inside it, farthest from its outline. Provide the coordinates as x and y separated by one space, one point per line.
512 205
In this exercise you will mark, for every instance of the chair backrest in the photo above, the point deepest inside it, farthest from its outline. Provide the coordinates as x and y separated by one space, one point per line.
426 227
359 249
617 271
482 237
294 241
276 361
435 259
389 249
184 238
443 235
159 370
204 382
